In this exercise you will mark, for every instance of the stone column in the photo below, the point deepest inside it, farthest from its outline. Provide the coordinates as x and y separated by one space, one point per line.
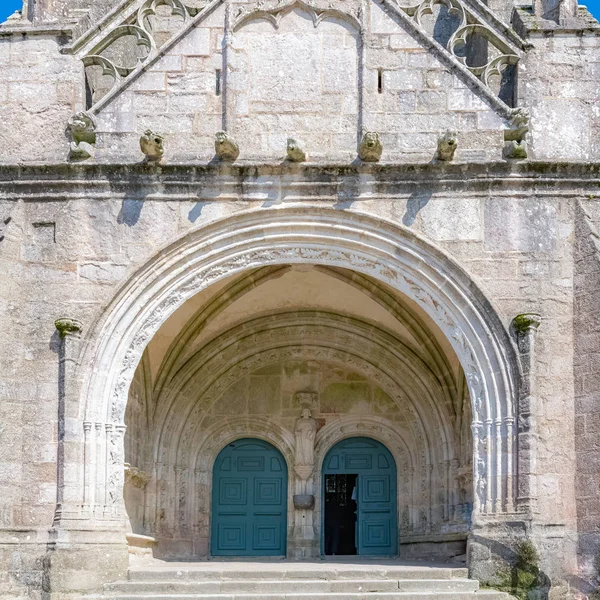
83 551
304 540
525 327
69 331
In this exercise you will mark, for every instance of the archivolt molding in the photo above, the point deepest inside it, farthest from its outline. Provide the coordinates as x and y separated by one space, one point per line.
303 335
348 426
317 235
428 350
194 326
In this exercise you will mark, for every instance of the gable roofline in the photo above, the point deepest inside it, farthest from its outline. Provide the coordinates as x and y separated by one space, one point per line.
95 40
154 56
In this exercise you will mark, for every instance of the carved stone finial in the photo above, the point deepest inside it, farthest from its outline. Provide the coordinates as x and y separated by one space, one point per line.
526 322
370 148
295 153
446 145
66 326
152 146
226 147
515 146
82 128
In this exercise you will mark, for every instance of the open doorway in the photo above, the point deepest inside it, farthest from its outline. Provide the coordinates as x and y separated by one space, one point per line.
340 514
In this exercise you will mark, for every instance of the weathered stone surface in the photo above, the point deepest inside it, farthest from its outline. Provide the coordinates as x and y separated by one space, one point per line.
154 312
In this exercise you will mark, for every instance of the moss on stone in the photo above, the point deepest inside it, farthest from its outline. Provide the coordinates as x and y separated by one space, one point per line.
523 579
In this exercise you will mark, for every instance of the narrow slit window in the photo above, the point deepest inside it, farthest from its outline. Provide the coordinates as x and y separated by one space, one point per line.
218 82
380 80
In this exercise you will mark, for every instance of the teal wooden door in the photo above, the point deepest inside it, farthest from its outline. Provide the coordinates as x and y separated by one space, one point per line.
249 500
376 497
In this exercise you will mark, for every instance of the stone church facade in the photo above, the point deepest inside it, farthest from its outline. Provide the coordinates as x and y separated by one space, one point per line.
259 253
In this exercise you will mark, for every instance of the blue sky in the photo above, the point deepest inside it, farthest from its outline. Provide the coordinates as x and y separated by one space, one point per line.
7 7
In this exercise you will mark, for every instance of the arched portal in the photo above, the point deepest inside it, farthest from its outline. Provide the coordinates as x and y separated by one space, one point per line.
360 514
392 267
249 500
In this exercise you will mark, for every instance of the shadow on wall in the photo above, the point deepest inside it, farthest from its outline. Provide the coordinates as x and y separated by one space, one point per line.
415 203
130 212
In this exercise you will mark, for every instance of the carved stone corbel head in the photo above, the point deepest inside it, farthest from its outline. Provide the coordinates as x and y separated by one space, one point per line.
295 153
515 146
82 129
370 148
446 145
152 145
226 147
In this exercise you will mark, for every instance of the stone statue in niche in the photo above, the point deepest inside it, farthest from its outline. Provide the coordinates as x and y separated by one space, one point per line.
83 132
295 153
515 146
370 148
306 430
152 146
226 147
446 145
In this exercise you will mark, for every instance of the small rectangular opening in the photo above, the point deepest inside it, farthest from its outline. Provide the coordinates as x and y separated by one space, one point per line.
380 80
218 82
340 515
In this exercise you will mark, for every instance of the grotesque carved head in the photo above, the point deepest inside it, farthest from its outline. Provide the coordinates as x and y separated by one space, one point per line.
151 145
225 147
518 125
370 147
294 151
446 145
82 128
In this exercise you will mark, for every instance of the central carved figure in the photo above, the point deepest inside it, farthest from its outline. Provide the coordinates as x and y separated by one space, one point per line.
306 430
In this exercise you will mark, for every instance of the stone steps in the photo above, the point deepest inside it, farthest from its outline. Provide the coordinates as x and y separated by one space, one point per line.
291 586
322 571
422 595
296 581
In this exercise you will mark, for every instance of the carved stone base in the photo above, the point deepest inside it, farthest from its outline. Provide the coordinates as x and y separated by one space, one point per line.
78 563
304 501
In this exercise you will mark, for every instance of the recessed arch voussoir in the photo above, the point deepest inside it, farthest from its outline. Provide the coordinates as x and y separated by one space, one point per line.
315 235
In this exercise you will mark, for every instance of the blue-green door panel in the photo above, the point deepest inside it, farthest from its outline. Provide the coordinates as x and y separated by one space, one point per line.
249 500
377 505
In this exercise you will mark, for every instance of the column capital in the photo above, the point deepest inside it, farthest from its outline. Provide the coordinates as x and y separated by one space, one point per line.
68 327
526 322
